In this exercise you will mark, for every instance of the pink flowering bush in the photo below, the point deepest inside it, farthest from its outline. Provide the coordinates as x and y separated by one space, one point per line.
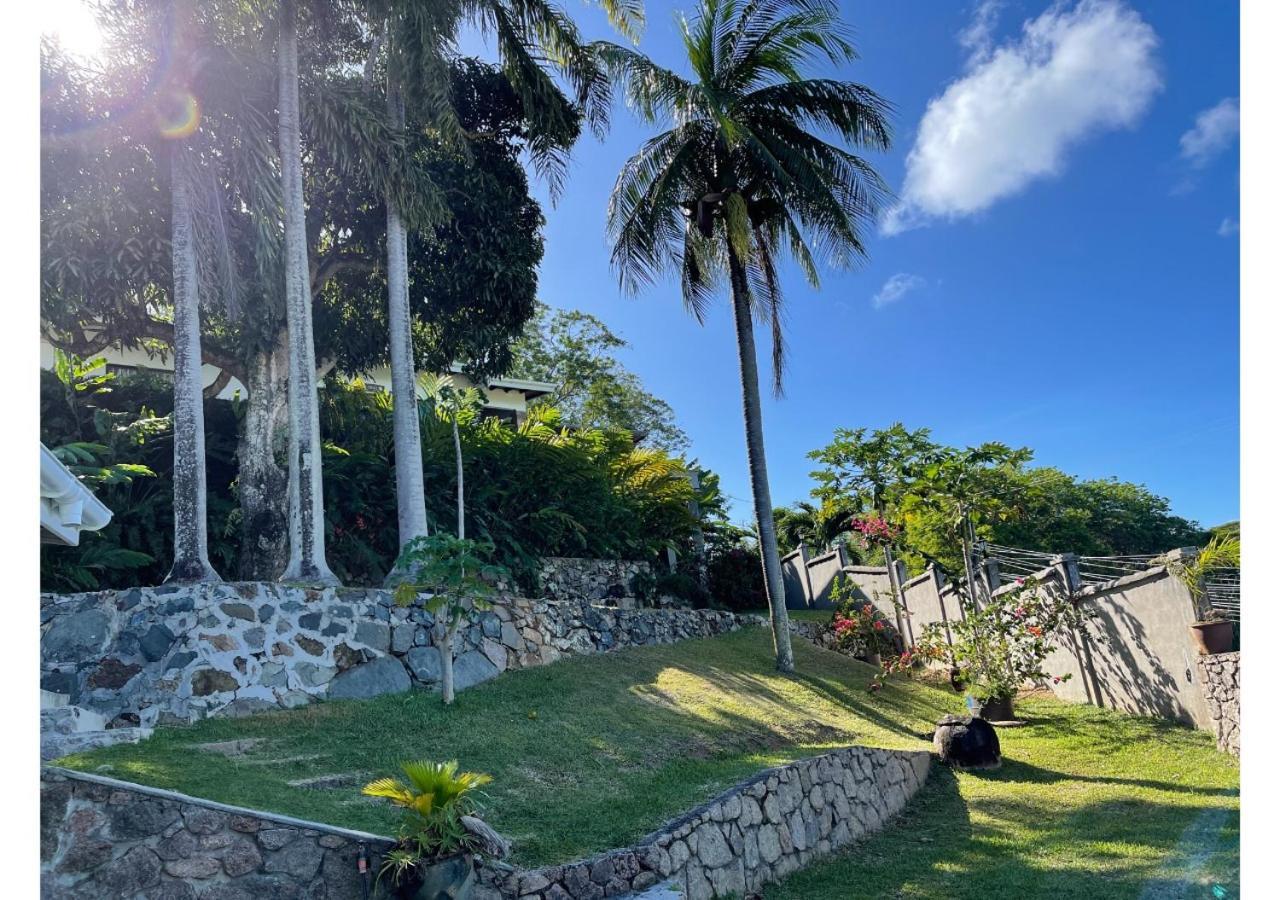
997 649
874 531
860 628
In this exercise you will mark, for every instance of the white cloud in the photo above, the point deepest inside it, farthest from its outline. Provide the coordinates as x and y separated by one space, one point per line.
1229 227
1215 130
976 37
1017 110
897 287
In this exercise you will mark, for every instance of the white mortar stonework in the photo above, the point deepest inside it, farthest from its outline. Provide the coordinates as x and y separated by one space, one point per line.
177 653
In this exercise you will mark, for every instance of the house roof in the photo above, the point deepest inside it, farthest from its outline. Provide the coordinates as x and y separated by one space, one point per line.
67 507
526 386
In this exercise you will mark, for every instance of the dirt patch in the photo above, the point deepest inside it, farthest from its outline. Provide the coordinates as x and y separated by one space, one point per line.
242 747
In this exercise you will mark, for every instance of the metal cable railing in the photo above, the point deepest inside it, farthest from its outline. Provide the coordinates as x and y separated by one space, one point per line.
1222 591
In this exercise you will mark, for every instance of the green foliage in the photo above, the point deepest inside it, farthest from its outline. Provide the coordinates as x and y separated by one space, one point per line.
533 492
1221 552
858 625
1002 645
576 352
929 488
457 573
753 163
434 799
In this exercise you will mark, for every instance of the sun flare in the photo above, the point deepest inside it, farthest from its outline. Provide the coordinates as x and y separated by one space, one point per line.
74 26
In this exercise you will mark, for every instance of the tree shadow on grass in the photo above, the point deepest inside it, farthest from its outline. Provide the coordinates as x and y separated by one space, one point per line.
950 847
1016 770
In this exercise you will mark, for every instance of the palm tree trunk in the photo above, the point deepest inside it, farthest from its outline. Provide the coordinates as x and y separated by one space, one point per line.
411 504
751 414
262 484
190 510
306 491
457 456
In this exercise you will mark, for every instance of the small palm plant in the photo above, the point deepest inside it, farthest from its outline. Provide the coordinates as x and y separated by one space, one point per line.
436 797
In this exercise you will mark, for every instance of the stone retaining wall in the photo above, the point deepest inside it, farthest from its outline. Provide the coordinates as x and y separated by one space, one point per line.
1220 681
753 834
146 656
106 839
608 581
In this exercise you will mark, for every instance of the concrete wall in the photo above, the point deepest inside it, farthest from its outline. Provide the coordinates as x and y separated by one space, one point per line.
1135 652
110 839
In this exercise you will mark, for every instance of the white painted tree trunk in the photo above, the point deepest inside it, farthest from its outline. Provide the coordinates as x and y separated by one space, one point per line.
190 508
306 491
411 504
752 418
262 484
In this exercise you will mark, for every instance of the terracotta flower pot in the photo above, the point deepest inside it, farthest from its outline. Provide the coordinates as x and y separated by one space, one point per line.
1213 637
997 709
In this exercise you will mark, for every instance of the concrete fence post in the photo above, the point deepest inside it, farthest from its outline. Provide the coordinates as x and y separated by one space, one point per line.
806 581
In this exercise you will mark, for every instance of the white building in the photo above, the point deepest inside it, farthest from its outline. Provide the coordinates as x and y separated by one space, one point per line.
505 398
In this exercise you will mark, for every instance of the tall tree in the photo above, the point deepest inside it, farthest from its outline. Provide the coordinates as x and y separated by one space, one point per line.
742 171
306 489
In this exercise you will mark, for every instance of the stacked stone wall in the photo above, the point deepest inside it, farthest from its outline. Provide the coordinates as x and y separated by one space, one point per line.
1220 681
103 838
607 581
147 656
755 833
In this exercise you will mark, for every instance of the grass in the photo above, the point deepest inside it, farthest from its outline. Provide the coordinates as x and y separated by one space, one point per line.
594 752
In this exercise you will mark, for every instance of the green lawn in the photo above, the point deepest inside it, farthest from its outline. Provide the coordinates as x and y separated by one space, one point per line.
594 752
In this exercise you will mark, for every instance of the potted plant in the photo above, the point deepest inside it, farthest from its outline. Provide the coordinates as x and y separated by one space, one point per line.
1213 632
433 853
1001 646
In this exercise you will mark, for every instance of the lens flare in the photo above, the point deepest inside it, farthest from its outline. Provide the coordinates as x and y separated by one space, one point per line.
182 117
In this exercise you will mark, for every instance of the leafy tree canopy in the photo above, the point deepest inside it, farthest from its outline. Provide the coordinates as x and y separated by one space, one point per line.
576 352
929 488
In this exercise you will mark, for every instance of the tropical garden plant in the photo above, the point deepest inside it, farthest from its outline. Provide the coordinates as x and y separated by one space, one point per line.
454 577
1002 645
436 799
742 173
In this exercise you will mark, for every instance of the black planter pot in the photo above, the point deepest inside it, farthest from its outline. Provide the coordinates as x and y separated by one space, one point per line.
997 709
451 878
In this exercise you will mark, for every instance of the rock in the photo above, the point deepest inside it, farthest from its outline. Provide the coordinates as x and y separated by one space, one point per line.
345 656
241 858
239 611
299 859
180 660
211 681
313 674
372 679
75 637
424 663
276 838
245 706
374 634
967 742
203 821
311 646
310 621
133 872
155 643
138 818
472 668
401 638
492 843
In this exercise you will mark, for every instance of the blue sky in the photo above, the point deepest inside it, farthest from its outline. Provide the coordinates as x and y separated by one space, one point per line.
1065 279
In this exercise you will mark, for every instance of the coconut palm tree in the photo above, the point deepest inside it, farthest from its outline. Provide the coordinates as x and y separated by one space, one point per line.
747 166
306 493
